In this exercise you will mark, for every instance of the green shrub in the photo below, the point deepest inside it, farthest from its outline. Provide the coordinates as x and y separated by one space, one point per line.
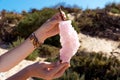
54 41
86 19
114 10
48 51
33 55
33 21
8 24
74 24
96 66
113 7
17 42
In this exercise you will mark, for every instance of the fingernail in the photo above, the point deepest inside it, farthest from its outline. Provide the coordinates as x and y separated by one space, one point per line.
69 65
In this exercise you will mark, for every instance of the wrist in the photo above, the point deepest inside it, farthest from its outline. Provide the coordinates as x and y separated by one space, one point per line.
40 36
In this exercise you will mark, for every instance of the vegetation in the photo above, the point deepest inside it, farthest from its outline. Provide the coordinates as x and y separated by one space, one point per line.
17 42
43 51
33 56
8 25
33 21
48 51
96 67
113 7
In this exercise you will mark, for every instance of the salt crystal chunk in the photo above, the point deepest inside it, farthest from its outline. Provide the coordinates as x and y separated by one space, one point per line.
69 41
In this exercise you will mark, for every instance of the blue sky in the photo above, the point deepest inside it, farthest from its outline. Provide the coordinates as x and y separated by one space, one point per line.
19 5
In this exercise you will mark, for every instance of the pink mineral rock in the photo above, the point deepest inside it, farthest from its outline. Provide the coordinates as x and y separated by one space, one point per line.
69 41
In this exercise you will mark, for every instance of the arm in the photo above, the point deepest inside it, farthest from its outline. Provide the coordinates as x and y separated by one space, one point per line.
22 75
40 70
14 56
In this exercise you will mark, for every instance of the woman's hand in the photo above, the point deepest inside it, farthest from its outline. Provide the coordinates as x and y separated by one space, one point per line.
50 27
44 70
47 70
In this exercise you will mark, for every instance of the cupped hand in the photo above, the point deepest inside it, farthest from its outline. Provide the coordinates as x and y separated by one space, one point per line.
50 27
47 71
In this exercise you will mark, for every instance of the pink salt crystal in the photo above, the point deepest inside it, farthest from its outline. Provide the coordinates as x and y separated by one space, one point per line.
69 41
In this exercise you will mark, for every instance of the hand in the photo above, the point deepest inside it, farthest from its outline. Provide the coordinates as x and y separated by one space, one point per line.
50 27
47 70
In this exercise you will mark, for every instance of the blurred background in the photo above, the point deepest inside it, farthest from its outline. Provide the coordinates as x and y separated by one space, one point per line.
97 23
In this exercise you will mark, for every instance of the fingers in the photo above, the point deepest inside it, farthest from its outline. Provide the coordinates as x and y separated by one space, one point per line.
54 20
58 68
59 17
63 15
61 72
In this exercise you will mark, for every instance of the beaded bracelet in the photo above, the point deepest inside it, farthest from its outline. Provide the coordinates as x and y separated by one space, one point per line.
34 40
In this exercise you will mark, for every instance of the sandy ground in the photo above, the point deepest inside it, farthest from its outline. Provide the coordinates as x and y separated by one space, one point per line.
92 44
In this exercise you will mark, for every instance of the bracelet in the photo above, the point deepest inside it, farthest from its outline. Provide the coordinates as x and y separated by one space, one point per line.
34 40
